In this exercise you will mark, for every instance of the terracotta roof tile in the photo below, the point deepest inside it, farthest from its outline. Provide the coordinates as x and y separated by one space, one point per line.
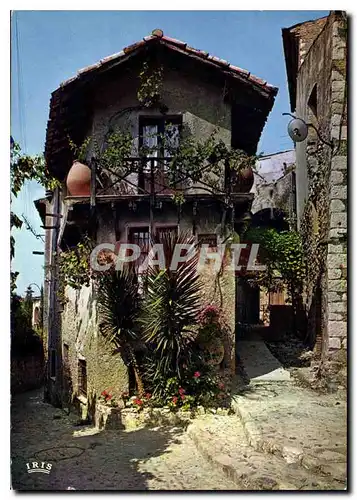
203 53
194 51
257 80
89 68
158 35
243 72
174 40
66 82
218 60
113 56
134 46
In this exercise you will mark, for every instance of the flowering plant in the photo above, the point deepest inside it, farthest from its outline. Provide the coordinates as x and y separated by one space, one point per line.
211 324
209 314
196 388
136 402
108 399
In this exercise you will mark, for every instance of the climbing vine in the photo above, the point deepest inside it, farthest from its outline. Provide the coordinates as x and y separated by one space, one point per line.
74 267
282 253
315 220
151 77
190 161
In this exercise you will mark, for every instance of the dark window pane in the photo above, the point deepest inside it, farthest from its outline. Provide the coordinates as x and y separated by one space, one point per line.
82 377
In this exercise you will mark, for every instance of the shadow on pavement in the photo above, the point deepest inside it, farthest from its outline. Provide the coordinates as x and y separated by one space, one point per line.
82 457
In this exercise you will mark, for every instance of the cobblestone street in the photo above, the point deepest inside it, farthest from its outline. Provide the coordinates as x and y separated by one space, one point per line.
86 459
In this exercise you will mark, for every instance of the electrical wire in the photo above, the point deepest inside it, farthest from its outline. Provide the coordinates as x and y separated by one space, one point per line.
20 104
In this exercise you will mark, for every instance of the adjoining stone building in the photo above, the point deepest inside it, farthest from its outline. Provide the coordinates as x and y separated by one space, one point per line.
200 92
316 63
274 206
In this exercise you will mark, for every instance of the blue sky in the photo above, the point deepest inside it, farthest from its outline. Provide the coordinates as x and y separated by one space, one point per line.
51 46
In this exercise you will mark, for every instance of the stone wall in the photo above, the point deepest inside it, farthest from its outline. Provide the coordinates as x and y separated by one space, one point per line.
337 249
315 72
322 177
272 181
27 372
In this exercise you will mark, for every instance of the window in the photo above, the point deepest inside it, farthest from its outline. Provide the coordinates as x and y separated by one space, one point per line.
160 136
161 231
82 377
140 236
66 354
53 363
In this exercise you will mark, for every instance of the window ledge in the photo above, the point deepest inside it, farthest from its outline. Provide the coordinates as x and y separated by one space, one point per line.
82 399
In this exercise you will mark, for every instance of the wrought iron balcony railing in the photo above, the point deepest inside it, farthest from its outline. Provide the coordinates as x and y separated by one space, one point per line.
140 176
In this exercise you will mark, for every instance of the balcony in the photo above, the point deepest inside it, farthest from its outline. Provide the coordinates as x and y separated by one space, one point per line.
147 177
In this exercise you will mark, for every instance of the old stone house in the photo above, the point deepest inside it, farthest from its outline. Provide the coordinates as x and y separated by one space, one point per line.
200 92
316 62
274 205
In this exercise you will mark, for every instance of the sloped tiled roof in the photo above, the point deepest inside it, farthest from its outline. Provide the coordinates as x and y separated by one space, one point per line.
63 119
174 44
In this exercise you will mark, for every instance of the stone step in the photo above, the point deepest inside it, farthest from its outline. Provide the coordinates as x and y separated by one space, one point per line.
297 425
258 362
222 441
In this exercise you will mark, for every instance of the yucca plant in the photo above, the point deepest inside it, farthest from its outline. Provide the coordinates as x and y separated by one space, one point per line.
118 306
170 310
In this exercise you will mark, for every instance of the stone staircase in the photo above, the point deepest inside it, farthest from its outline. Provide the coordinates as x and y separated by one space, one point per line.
282 437
223 442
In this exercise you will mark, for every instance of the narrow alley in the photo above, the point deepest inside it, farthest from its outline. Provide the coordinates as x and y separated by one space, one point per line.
84 458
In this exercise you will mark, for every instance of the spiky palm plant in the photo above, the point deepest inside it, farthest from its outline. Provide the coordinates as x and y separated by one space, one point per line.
118 305
170 310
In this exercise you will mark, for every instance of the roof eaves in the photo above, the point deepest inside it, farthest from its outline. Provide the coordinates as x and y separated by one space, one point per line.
168 39
112 57
174 44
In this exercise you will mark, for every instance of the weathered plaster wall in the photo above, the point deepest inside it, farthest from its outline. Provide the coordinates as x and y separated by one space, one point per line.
218 288
278 194
80 333
200 104
116 106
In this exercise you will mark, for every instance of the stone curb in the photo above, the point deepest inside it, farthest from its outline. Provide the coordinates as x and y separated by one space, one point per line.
251 431
223 463
257 441
289 454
